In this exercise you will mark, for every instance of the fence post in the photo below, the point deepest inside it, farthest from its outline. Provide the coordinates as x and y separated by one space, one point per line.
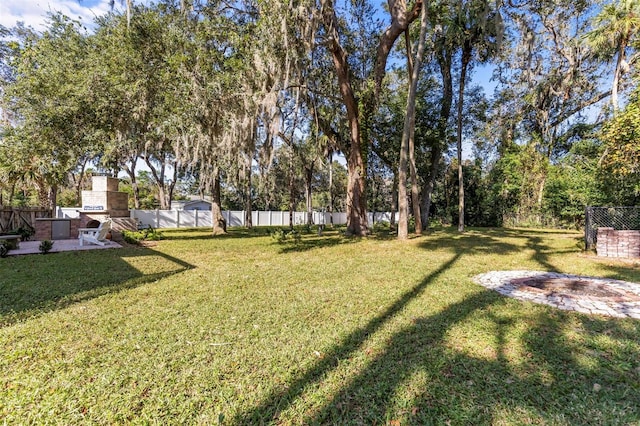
587 229
196 218
177 218
244 216
157 218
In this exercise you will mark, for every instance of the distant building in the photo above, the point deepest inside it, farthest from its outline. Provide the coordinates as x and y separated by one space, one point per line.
191 205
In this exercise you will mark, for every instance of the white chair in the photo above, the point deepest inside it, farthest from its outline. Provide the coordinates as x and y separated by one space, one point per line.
95 235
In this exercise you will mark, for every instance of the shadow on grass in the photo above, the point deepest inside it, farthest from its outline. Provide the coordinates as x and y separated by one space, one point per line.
534 366
32 285
314 242
206 233
280 400
469 243
551 384
492 241
421 377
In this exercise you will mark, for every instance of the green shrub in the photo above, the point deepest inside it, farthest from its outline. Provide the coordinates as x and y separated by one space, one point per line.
45 246
282 236
147 234
25 232
4 249
279 235
381 228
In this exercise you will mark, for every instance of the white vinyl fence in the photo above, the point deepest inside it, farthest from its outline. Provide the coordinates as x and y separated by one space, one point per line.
202 218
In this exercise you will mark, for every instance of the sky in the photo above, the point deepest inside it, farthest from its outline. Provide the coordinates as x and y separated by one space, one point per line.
34 12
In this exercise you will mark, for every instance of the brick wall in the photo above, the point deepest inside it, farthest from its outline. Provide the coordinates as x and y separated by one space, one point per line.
73 228
43 230
612 243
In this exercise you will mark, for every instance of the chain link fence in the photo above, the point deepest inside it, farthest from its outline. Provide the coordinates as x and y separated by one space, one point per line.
619 218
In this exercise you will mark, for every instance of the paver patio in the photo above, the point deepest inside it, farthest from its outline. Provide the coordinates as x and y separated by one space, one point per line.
31 247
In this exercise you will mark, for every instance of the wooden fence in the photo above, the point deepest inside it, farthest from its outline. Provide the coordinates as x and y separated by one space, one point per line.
14 218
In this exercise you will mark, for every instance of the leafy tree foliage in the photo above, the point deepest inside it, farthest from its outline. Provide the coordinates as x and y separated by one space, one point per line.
250 101
620 164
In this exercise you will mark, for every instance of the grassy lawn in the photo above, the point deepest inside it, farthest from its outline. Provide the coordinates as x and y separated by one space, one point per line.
242 330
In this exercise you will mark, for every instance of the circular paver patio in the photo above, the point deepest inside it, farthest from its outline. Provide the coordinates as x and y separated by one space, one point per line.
588 295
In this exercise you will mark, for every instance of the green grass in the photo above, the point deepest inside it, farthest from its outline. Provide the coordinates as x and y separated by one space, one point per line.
330 330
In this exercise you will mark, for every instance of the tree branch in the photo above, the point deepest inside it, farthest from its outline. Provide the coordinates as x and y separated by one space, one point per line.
580 107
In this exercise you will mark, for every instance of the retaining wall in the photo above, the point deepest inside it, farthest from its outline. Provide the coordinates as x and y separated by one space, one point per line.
613 243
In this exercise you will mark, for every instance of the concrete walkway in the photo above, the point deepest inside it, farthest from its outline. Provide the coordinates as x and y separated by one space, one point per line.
589 295
31 247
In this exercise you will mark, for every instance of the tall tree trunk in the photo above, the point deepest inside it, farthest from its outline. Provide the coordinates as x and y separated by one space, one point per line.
12 192
394 202
415 190
131 171
136 192
307 193
158 176
331 188
78 183
172 185
292 191
219 223
53 198
407 145
616 76
357 221
466 58
356 167
429 185
248 216
444 62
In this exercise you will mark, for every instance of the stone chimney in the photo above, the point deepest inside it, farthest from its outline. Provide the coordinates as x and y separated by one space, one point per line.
104 200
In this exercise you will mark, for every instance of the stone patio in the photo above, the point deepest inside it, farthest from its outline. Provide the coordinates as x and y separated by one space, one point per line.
31 247
589 295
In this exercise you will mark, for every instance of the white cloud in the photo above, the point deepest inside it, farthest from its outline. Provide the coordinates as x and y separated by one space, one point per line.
34 12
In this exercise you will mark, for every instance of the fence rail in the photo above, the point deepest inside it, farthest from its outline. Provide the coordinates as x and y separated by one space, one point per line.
202 218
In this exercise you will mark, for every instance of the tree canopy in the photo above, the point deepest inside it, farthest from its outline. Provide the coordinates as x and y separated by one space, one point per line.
250 102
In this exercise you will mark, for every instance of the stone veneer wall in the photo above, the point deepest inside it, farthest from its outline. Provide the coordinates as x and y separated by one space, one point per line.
612 243
104 200
109 200
85 218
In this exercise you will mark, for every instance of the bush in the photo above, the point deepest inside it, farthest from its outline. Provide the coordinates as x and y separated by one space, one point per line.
279 235
282 236
45 246
381 228
4 249
147 234
25 232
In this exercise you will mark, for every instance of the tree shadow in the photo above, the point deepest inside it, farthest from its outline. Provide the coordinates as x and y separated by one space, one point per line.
469 243
562 373
33 285
280 399
541 252
180 234
314 242
550 384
